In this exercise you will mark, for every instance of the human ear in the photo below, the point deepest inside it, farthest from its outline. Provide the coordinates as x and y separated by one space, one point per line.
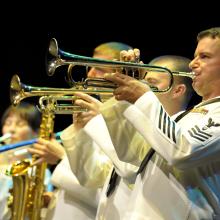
179 90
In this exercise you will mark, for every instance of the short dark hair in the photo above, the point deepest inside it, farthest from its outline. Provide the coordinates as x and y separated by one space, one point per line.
211 32
180 64
26 111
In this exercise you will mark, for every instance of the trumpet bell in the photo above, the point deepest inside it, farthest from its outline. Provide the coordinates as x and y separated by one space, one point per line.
16 90
53 47
52 57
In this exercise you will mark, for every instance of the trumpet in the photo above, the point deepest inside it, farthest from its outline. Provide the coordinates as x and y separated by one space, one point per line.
186 74
19 91
136 70
60 57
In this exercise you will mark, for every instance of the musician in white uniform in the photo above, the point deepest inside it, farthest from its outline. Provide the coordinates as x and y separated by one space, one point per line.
113 203
181 178
92 164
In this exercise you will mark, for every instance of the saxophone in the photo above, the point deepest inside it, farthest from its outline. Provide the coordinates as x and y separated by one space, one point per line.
28 187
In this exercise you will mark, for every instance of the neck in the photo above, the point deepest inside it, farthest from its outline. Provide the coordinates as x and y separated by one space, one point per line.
209 101
175 109
210 92
208 97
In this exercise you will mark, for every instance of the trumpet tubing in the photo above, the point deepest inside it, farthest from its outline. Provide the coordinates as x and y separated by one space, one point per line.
19 91
61 104
46 130
186 74
19 199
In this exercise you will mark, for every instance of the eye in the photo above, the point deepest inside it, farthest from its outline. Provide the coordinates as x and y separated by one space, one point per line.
7 123
203 56
21 123
151 81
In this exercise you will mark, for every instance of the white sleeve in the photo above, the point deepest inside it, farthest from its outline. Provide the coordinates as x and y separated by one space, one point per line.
129 144
63 178
182 146
5 182
96 128
88 163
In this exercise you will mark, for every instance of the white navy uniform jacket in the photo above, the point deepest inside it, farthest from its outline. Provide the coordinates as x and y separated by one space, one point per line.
182 180
87 161
72 200
115 205
123 134
90 164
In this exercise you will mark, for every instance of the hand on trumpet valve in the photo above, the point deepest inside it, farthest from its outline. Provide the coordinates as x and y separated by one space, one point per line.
129 89
92 106
132 56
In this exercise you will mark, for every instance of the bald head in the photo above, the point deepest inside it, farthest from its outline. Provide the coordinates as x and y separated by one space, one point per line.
175 63
111 50
172 62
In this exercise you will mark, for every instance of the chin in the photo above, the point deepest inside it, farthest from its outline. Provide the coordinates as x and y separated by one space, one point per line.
197 90
195 85
13 141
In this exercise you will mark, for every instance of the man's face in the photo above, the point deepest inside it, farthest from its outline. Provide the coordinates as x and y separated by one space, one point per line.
18 127
206 66
98 72
161 81
157 79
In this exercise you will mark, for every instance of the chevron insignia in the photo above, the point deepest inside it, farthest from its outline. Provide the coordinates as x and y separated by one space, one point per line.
200 134
166 126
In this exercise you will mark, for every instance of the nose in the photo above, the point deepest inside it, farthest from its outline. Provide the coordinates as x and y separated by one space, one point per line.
12 128
91 72
194 63
95 73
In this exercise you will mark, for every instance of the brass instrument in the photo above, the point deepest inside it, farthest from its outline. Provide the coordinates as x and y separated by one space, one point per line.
136 70
46 130
20 192
186 74
19 91
60 57
27 193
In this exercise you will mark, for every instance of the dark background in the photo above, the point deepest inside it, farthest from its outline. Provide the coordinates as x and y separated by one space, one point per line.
25 39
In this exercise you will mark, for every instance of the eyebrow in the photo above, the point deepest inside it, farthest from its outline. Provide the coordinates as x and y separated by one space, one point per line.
150 78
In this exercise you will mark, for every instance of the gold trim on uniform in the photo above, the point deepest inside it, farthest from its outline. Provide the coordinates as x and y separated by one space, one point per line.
200 110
